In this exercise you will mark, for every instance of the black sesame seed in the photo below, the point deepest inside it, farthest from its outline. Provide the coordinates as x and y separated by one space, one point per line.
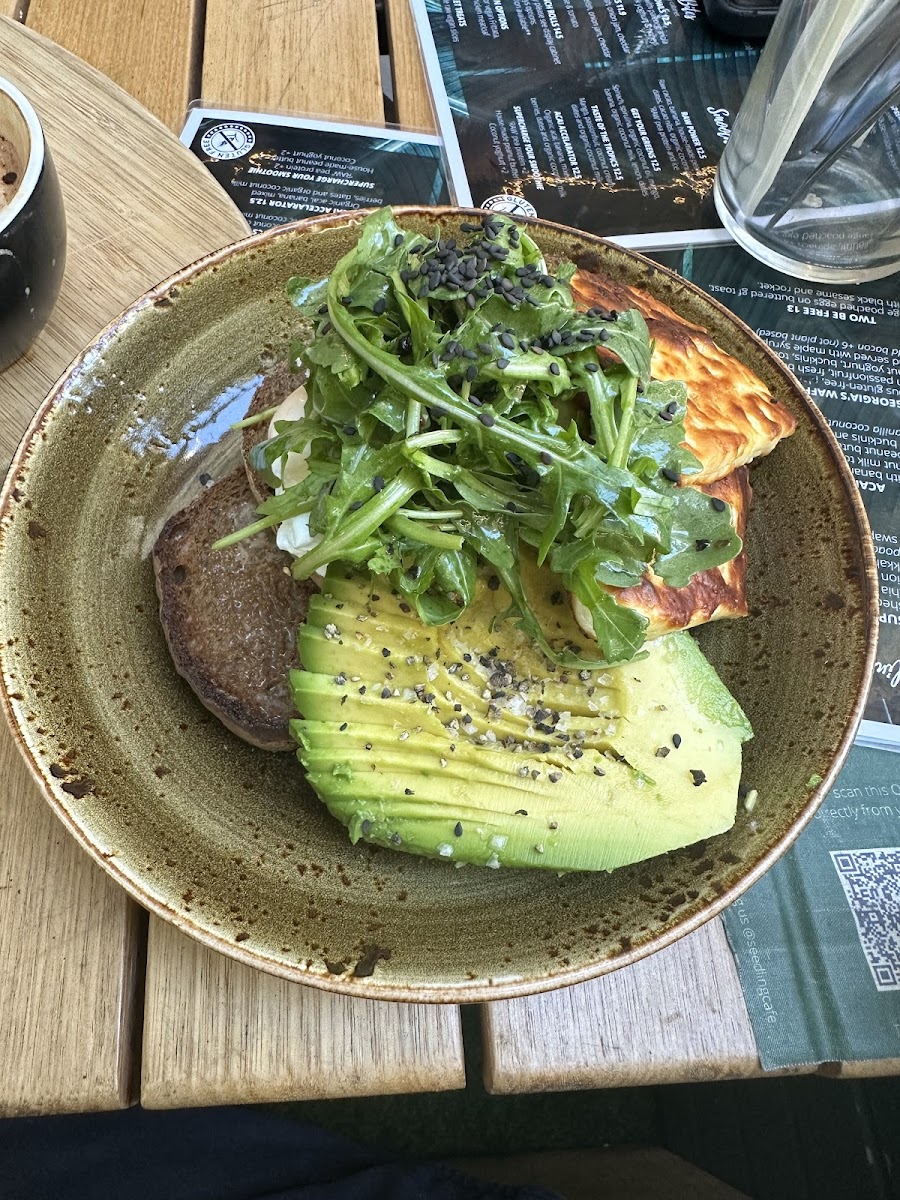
347 300
548 281
398 240
592 367
546 458
379 306
672 408
510 507
603 335
668 473
350 430
458 829
385 653
385 693
355 505
702 544
343 699
408 792
486 419
341 728
378 483
485 347
404 608
508 341
470 301
698 777
493 582
554 368
471 373
718 505
366 828
414 571
676 740
521 812
555 337
502 363
665 416
362 690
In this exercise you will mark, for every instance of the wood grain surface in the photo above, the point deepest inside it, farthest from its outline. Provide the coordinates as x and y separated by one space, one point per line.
677 1015
69 937
217 1032
147 51
411 93
318 57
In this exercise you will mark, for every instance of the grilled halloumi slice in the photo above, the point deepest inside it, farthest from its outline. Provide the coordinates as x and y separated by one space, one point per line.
731 416
710 595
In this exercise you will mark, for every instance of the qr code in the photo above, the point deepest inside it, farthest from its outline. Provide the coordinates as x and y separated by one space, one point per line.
871 883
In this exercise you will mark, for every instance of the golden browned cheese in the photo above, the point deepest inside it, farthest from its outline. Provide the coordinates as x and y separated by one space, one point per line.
731 416
710 595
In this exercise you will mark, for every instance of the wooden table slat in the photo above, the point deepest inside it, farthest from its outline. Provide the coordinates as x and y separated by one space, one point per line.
411 93
676 1016
148 54
318 57
68 957
218 1032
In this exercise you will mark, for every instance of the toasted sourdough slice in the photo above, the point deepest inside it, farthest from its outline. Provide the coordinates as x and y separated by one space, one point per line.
710 595
230 616
274 389
731 416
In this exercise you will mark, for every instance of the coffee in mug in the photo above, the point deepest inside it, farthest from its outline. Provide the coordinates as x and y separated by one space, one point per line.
10 171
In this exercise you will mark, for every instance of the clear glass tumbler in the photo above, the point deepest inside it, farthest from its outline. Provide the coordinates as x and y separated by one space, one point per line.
810 179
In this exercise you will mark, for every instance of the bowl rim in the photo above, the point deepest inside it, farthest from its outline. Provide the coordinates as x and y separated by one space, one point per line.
464 991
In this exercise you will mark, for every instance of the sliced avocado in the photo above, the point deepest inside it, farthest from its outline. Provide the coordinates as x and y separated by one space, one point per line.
465 742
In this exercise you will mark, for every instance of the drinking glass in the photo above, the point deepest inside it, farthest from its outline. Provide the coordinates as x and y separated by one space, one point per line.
809 182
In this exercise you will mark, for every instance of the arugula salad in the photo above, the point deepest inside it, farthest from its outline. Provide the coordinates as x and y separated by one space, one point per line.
458 413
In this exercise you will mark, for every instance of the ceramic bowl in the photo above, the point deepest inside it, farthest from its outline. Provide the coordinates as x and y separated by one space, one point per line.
228 842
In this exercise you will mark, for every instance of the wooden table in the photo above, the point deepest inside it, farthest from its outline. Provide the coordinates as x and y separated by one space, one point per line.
98 1006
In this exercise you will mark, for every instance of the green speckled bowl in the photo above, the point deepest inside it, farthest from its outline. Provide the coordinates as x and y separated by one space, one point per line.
228 842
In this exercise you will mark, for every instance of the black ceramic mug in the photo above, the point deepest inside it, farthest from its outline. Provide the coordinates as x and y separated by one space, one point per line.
32 226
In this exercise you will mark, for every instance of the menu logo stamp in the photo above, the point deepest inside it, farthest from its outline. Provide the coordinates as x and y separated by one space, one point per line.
516 206
228 140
